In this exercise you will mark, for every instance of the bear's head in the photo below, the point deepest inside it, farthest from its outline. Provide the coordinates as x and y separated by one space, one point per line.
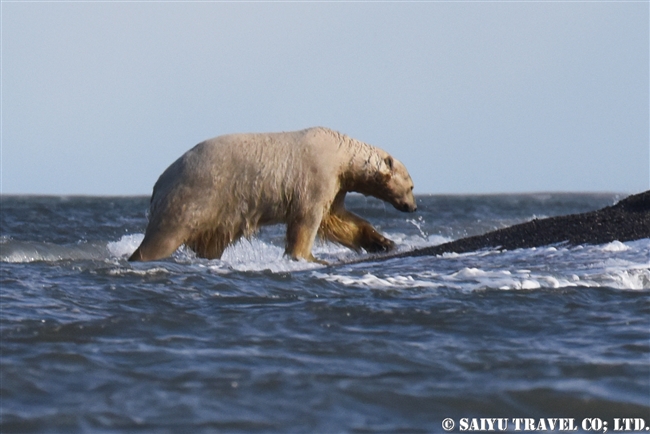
396 185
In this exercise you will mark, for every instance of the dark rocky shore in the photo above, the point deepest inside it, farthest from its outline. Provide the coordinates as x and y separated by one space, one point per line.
627 220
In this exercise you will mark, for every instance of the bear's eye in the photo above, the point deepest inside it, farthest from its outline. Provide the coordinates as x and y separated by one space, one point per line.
412 188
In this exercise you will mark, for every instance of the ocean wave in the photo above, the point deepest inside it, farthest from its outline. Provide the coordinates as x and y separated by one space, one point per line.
32 251
254 254
472 279
614 265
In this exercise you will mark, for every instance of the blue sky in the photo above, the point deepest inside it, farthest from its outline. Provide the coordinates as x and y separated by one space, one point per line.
474 97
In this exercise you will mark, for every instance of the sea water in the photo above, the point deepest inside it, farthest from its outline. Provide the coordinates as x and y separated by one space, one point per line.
255 342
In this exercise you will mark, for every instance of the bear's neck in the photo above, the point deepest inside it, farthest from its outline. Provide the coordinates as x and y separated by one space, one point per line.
362 174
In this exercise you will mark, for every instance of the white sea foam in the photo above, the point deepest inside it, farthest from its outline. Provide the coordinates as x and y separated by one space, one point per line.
121 271
257 255
410 242
615 246
125 246
371 281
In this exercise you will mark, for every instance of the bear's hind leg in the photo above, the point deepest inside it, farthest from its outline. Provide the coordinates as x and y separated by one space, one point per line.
350 230
156 245
211 244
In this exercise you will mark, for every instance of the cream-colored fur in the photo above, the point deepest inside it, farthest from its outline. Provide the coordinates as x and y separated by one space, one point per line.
229 186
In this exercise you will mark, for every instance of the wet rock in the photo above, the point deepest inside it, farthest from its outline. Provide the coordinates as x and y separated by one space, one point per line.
627 220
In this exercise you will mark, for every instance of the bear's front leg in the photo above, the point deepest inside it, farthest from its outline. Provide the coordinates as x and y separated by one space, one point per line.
350 230
301 233
373 242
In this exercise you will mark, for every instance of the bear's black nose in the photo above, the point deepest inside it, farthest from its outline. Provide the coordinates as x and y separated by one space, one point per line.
408 208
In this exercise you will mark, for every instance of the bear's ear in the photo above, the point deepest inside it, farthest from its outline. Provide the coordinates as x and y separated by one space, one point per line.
389 163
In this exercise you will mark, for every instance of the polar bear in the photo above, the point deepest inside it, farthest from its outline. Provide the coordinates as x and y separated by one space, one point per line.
229 186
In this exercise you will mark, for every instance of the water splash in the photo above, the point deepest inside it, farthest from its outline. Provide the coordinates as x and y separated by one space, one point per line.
419 224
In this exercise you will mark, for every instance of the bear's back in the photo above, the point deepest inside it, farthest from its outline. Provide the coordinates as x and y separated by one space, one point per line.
250 171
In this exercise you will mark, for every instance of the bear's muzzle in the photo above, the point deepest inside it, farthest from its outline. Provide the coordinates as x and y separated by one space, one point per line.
406 207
